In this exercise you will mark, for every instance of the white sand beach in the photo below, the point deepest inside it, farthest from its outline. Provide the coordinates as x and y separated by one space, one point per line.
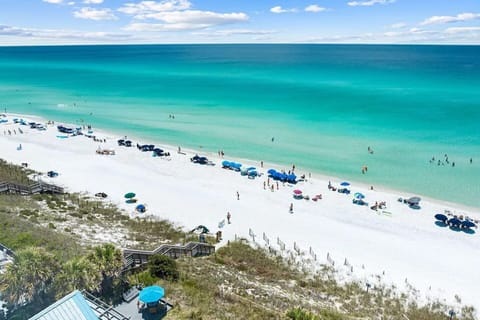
402 243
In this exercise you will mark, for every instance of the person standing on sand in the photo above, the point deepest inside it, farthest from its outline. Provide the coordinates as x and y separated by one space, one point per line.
228 217
261 164
238 196
291 208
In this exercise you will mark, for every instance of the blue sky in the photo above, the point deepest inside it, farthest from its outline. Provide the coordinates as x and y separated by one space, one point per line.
24 22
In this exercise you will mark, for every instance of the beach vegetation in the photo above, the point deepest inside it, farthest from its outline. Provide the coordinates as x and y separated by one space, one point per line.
15 174
163 267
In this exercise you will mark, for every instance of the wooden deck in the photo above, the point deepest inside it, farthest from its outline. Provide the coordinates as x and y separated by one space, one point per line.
134 258
34 188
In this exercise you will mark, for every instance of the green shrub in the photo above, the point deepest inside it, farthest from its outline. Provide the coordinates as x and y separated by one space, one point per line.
163 267
300 314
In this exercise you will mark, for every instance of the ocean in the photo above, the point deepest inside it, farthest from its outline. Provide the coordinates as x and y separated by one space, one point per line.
319 107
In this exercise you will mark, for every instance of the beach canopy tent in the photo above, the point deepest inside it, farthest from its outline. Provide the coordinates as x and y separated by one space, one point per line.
226 164
441 217
359 195
130 195
468 224
201 229
345 184
151 294
455 222
140 208
235 166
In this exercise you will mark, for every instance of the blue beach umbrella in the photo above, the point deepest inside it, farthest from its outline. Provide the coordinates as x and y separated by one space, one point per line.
151 294
291 178
441 217
345 184
271 171
359 195
468 224
454 222
225 163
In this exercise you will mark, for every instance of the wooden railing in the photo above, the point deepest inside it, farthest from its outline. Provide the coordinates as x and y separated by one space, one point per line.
9 252
134 258
36 187
102 309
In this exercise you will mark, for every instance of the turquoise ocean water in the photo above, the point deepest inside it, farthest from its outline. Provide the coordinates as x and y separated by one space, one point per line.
323 104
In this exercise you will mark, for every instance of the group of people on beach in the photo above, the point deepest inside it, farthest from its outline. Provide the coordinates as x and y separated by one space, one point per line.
10 131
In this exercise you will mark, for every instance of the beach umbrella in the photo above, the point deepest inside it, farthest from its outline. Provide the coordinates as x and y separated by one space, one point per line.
130 195
140 208
291 178
297 192
454 222
441 217
226 163
251 168
151 294
252 173
271 171
414 200
359 195
468 224
345 184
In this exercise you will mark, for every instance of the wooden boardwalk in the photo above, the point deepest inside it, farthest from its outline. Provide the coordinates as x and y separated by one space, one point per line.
134 258
34 188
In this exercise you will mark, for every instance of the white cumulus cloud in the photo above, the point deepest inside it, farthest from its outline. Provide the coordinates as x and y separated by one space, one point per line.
455 30
146 7
53 1
94 14
93 1
369 3
314 8
175 15
279 9
448 19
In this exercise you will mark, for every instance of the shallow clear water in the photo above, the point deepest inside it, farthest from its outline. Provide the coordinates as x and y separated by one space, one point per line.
323 104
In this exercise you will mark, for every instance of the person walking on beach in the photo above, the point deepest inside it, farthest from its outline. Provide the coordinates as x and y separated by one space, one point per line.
238 196
228 217
261 164
264 185
277 185
291 208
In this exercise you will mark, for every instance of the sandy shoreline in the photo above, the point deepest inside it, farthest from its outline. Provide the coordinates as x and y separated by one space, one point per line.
403 243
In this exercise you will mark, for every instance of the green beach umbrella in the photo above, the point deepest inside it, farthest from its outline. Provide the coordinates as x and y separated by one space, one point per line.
129 195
